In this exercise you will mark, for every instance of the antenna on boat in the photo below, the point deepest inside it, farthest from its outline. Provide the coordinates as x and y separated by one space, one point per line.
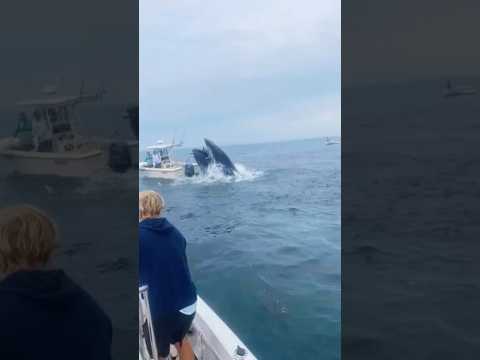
183 137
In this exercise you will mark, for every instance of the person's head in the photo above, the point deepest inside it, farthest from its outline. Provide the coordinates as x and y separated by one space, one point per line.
27 238
150 205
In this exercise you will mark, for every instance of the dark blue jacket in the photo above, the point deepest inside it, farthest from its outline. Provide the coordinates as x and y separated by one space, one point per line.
45 315
164 267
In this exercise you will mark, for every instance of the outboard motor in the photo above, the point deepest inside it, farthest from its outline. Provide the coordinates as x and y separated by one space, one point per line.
119 157
189 170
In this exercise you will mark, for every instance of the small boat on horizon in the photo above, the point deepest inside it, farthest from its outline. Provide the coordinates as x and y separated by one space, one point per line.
330 141
454 91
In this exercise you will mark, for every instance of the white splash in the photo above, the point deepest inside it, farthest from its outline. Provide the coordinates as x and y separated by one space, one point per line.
215 175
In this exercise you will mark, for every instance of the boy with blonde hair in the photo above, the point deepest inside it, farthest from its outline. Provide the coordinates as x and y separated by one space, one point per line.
44 314
164 268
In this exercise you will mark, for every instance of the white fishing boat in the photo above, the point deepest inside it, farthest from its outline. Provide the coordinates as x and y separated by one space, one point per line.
159 162
330 141
454 91
211 338
46 143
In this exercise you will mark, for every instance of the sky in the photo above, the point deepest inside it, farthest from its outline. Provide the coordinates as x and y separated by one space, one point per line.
239 71
407 41
69 42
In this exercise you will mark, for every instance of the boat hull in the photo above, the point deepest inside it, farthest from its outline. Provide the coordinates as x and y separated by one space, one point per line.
210 337
161 173
74 164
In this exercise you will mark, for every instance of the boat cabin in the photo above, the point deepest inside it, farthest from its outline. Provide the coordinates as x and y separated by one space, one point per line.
159 155
46 125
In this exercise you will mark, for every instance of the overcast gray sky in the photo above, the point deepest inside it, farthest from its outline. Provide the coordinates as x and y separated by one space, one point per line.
70 41
239 71
409 40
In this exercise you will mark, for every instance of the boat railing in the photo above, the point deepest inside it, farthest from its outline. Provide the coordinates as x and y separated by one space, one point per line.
210 337
147 344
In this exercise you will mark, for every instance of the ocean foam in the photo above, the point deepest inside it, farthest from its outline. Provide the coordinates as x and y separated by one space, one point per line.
215 175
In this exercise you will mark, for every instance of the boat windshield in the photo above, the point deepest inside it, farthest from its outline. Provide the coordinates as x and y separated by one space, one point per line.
158 157
59 119
149 158
24 124
161 156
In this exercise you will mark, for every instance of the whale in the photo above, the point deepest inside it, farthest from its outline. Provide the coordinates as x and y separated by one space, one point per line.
212 154
203 159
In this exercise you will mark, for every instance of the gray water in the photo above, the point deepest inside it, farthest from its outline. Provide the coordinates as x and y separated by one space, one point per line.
264 248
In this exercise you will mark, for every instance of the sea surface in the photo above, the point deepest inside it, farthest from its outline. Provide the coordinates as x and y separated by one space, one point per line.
264 246
410 203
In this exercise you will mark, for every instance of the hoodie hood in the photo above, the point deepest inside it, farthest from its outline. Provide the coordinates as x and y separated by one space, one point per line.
48 287
158 225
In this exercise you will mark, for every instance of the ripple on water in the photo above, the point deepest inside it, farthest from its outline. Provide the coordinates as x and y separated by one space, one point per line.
265 252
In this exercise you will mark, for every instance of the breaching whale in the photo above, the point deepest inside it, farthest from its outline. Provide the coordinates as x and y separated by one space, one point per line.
212 154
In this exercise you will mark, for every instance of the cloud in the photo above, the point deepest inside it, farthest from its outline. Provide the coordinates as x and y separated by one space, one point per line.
251 37
216 61
310 118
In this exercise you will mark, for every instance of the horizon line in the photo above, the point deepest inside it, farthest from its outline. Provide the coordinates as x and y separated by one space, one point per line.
268 142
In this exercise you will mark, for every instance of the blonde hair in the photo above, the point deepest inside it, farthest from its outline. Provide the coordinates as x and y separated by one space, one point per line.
27 237
150 204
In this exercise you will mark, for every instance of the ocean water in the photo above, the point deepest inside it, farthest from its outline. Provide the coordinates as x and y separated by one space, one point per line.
264 247
410 222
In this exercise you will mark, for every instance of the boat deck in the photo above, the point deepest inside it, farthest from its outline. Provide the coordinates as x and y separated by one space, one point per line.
212 339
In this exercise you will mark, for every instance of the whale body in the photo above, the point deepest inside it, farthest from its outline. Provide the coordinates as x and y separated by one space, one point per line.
212 154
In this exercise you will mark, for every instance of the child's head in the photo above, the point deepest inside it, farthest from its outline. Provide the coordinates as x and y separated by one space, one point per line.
27 238
150 205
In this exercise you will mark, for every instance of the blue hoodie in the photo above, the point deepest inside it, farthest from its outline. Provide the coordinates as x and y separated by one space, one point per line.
45 315
164 267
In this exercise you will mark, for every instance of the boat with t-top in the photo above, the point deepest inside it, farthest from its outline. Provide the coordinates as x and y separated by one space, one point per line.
159 161
46 142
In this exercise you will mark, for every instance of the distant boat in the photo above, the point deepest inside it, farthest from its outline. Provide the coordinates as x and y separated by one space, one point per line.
453 91
330 141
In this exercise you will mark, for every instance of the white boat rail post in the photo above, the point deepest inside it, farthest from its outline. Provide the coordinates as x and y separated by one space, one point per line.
147 344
